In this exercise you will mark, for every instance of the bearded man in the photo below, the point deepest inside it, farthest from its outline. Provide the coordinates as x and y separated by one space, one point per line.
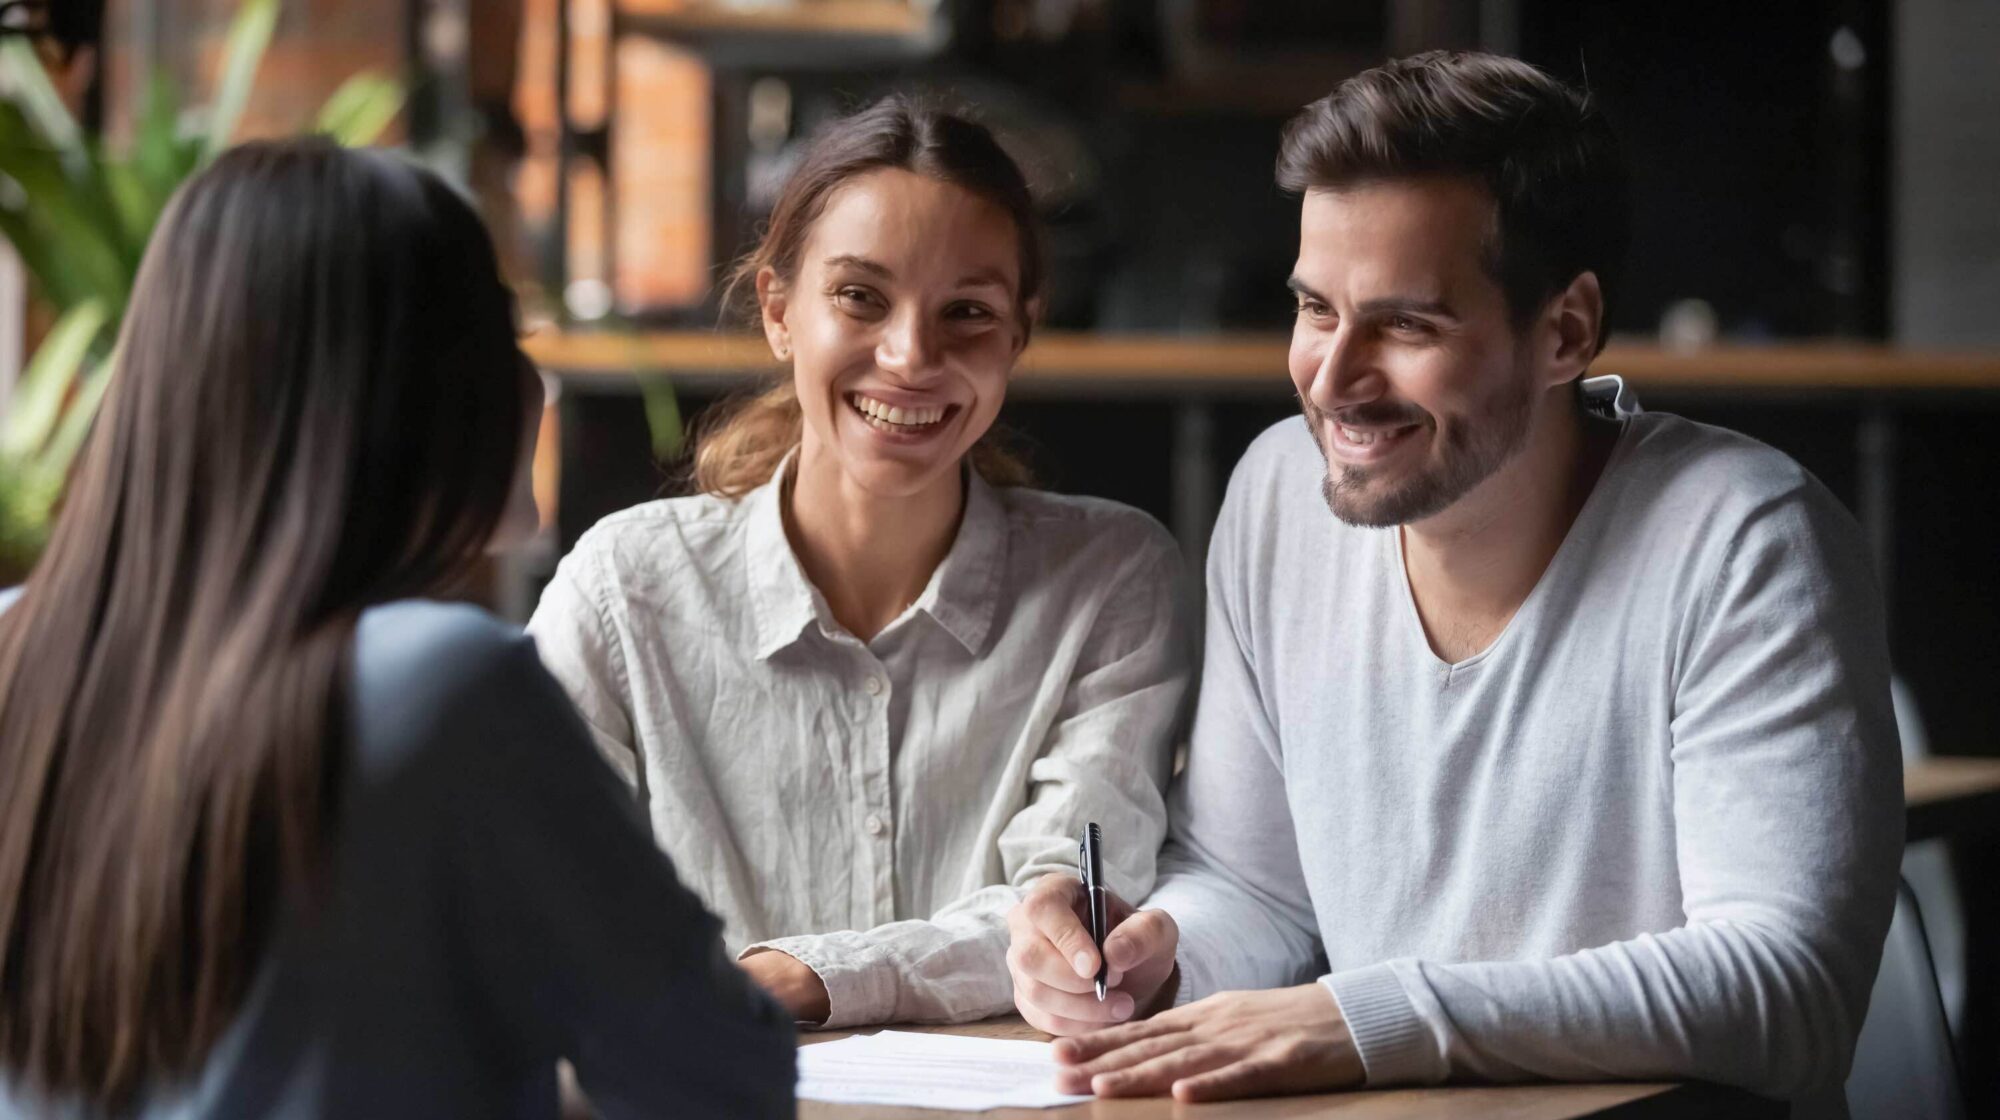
1530 744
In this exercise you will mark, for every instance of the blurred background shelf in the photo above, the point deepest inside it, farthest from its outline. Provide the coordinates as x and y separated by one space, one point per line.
833 18
1255 364
814 33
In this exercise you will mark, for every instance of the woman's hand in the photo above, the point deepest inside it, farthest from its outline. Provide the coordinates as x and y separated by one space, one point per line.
791 982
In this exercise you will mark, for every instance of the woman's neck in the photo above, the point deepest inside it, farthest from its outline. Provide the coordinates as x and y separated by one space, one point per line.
870 556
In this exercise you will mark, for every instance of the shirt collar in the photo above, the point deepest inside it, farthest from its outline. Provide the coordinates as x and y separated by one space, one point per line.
783 600
964 592
962 596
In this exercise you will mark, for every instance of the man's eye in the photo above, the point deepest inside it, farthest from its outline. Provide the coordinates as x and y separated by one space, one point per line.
1407 325
1313 308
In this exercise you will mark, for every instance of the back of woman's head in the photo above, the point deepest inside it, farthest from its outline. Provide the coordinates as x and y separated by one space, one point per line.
317 402
739 449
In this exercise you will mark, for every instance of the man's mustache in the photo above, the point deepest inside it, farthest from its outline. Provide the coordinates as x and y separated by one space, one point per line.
1380 414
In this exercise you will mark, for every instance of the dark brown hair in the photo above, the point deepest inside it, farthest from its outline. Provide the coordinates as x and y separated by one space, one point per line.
1542 149
317 406
739 448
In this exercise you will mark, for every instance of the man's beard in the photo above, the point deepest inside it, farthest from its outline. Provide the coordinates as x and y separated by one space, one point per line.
1471 452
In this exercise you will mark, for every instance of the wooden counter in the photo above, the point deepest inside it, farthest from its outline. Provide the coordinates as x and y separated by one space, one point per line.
1256 363
1948 795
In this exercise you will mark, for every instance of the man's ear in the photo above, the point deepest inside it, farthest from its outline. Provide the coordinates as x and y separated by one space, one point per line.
1571 327
771 307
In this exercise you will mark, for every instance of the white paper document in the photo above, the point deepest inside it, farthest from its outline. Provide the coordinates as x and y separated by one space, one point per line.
931 1071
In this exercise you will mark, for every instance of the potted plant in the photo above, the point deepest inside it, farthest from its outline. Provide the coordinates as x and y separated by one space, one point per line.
79 216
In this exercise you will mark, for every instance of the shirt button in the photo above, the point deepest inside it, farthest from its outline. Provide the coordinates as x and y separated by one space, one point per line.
876 825
873 685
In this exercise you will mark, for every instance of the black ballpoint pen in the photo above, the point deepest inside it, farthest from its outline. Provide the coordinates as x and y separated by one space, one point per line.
1090 865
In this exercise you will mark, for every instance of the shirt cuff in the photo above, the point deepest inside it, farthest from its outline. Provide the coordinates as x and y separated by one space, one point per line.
859 992
1395 1045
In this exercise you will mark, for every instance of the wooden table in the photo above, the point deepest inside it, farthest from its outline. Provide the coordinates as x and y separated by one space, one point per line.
1947 795
1514 1102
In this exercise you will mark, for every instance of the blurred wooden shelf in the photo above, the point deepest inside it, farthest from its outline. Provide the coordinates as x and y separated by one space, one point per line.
1255 364
842 18
1949 795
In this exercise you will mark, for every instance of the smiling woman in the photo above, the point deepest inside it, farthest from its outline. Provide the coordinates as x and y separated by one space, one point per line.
868 682
944 160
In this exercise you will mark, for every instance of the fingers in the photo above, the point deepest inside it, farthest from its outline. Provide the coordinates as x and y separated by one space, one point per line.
1142 1050
1030 956
1247 1078
1050 908
1083 1049
1082 1007
1149 935
1056 1025
1155 1076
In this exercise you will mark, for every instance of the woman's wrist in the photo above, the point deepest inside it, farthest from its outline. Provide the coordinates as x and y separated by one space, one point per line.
791 982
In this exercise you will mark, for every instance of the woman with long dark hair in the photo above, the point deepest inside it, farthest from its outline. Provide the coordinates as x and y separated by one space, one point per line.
277 836
870 683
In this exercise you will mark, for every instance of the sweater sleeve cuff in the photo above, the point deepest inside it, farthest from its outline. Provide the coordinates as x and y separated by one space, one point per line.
858 992
1395 1045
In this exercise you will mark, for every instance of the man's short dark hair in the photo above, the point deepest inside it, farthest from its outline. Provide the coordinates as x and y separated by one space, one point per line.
1541 148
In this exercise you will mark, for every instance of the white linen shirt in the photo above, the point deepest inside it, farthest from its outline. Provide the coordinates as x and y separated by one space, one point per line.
874 809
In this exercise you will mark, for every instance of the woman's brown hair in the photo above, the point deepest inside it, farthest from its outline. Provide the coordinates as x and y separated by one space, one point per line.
317 406
739 449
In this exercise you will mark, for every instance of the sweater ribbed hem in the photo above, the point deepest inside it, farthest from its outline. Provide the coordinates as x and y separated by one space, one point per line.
1395 1047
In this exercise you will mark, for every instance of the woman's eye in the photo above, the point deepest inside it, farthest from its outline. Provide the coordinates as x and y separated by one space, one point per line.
855 299
970 313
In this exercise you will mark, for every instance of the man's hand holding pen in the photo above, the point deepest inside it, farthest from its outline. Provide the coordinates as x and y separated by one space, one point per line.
1054 964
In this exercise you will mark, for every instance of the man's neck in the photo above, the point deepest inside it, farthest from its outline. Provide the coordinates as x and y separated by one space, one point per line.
870 556
1471 566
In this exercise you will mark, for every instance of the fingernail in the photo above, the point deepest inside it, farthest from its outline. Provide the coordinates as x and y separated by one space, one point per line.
1082 962
1121 1007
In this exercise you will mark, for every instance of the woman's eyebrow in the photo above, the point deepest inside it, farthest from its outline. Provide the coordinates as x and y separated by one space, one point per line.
980 277
862 264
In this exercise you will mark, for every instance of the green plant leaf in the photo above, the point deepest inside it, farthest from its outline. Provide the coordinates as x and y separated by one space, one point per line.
55 275
68 201
249 35
137 206
360 109
77 419
36 95
37 405
160 157
663 416
27 502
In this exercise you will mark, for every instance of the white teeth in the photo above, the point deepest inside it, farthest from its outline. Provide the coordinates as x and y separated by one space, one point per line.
891 414
1359 439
